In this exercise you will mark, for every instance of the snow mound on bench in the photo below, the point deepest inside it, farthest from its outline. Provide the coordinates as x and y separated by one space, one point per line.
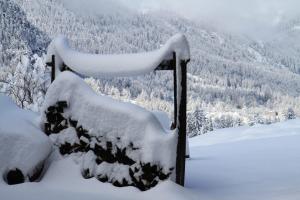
22 143
96 65
121 124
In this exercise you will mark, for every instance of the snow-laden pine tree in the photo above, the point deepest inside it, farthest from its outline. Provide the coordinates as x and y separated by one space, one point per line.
290 114
198 123
27 83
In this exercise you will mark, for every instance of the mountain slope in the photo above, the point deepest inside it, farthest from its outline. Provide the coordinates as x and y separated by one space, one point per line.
18 35
284 47
232 78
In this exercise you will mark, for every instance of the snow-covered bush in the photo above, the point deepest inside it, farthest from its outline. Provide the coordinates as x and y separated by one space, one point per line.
198 123
23 146
290 114
119 143
26 83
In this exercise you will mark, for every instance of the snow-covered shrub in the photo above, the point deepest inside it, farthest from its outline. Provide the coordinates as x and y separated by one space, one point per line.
198 123
224 121
26 83
119 143
290 114
23 146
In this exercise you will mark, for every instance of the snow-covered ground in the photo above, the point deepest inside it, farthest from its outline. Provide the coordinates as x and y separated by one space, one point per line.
23 145
260 162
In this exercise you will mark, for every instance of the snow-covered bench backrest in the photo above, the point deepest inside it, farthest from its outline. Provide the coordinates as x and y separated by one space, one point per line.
174 55
96 65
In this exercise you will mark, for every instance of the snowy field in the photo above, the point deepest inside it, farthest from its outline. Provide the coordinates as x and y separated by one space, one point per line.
260 162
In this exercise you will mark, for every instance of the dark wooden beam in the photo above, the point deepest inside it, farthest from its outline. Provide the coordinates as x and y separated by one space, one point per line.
181 124
167 64
66 68
174 124
52 65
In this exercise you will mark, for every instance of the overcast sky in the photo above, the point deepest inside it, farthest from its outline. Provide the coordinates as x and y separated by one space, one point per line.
256 17
237 15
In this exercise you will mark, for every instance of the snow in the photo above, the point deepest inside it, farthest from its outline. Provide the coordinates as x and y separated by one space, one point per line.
22 143
109 120
63 181
287 128
163 118
66 135
224 164
95 65
296 27
256 54
260 162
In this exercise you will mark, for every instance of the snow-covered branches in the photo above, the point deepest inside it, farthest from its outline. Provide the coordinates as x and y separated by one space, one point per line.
27 82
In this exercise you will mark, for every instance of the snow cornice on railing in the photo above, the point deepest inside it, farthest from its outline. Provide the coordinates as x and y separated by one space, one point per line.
117 65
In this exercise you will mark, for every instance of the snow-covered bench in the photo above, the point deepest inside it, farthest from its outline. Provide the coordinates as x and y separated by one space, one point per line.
23 145
119 142
174 55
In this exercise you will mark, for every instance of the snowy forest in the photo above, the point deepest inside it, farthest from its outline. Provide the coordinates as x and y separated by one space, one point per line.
232 80
149 99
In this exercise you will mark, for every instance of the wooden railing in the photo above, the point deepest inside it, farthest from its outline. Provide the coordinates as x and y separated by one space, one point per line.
180 102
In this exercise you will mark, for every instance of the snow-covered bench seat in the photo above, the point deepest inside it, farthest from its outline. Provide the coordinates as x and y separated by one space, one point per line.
119 143
23 145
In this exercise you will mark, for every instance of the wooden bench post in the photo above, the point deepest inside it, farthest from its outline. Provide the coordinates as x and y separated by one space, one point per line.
52 65
181 122
174 125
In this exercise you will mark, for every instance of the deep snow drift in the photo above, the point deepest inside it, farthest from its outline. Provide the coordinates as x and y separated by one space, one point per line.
248 163
119 142
22 143
260 162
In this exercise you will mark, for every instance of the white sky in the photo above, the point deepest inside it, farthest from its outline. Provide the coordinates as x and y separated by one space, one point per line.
256 17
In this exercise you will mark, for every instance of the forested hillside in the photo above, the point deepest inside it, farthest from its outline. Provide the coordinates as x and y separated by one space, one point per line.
233 80
18 36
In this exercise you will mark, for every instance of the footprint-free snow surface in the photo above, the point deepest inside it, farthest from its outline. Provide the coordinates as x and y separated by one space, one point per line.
23 146
260 162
